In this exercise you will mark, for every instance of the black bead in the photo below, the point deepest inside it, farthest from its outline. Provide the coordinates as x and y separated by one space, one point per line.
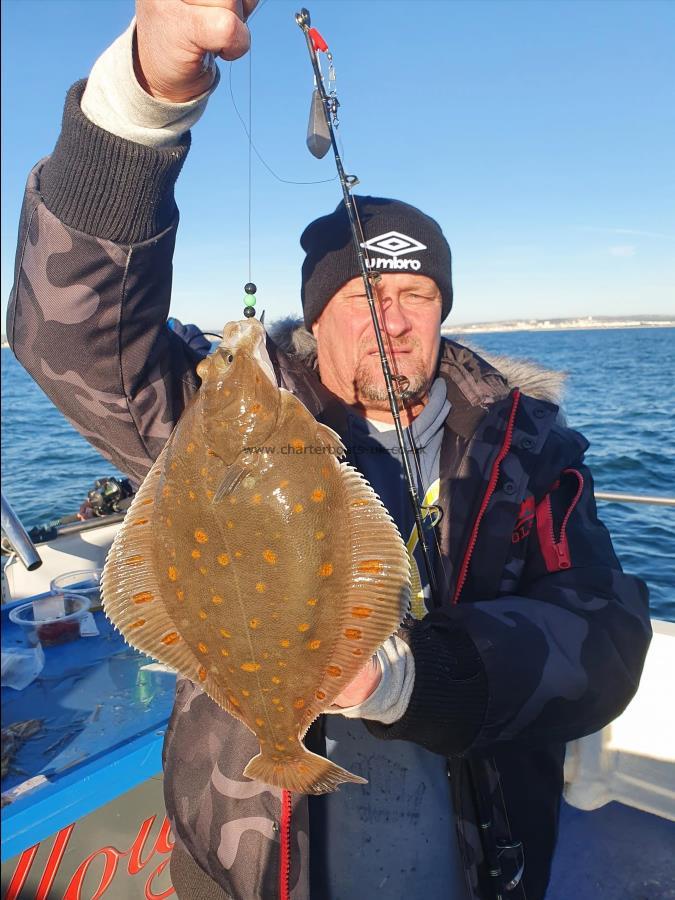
249 311
250 288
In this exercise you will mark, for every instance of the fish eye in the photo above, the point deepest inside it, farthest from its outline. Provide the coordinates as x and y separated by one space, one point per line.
230 357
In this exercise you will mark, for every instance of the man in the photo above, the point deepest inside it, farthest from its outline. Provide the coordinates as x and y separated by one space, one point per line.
461 720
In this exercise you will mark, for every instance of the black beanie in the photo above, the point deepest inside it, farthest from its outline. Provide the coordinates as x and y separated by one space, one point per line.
399 238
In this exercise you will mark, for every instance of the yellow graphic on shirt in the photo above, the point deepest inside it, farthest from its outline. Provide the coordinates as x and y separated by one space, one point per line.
417 607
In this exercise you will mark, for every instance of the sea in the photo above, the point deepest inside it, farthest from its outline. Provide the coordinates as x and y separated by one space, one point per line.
620 393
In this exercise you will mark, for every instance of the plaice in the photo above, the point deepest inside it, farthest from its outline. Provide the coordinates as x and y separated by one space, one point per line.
256 564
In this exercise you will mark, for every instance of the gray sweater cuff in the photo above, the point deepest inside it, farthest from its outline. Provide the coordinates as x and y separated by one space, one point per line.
107 186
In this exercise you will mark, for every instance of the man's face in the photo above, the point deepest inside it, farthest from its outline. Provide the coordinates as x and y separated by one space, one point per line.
410 316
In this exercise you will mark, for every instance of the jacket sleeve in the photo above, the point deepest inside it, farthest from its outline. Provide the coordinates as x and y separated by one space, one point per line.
88 310
557 661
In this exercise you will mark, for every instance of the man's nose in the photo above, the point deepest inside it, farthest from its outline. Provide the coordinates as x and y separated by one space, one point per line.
392 316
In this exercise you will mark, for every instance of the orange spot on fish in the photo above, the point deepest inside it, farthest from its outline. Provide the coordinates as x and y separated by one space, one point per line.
203 570
325 471
196 554
320 695
210 452
202 673
270 557
223 559
256 499
192 495
260 723
169 521
171 638
254 408
172 572
180 594
166 490
254 623
138 623
314 645
357 651
370 567
224 652
281 747
209 494
233 700
230 524
140 522
276 679
239 553
319 535
133 560
245 693
276 701
285 643
225 633
143 597
201 536
298 508
282 664
202 648
217 599
353 634
362 612
284 483
303 626
261 587
203 614
250 667
333 671
191 447
298 703
318 495
326 570
298 445
312 601
146 502
203 471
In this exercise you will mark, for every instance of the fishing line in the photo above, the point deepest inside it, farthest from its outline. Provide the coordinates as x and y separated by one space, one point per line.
257 152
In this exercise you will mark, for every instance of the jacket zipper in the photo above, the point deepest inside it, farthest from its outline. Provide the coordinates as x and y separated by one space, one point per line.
492 484
285 845
560 545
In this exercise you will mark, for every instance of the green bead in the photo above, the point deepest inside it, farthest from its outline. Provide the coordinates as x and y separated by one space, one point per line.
249 300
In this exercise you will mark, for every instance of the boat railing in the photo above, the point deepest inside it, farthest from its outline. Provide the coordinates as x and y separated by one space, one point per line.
613 497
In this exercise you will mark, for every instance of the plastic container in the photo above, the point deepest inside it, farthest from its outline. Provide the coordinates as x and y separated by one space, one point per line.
83 581
54 619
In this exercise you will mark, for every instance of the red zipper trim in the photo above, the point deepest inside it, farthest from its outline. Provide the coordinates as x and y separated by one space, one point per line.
285 845
556 553
492 484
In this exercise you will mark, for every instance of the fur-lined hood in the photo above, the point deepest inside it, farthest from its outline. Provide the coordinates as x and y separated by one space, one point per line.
293 339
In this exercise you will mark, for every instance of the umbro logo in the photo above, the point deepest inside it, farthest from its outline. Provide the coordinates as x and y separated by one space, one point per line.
393 245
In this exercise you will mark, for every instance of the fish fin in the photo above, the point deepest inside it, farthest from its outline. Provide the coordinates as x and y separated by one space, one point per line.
326 437
378 586
303 773
233 477
132 596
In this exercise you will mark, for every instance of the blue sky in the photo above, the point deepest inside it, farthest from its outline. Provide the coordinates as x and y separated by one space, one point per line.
541 135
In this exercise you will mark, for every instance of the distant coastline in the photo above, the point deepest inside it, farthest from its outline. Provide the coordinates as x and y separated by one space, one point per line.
576 324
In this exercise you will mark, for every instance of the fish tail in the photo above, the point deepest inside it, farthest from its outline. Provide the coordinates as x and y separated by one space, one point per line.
303 772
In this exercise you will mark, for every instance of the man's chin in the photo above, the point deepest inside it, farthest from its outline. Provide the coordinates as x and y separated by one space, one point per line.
372 393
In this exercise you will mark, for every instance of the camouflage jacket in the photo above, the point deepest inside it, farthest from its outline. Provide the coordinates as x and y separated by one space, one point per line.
540 640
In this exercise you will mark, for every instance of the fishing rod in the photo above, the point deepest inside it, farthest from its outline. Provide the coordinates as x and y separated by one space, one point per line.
321 137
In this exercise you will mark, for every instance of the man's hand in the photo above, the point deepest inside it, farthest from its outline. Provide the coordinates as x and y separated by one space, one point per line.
362 686
176 41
